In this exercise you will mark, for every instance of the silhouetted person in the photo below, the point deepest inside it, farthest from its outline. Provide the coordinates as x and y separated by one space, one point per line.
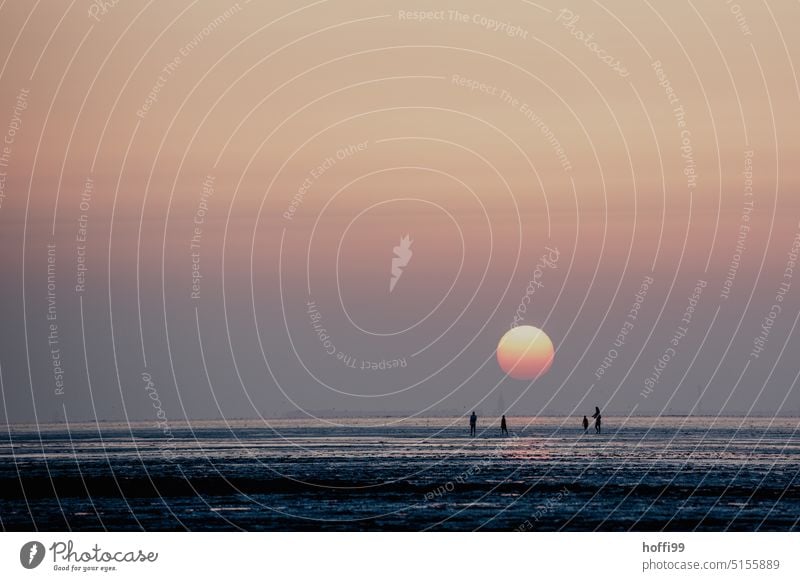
503 426
585 424
473 423
597 418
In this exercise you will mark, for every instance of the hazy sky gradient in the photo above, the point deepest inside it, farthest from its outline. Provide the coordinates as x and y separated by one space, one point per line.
365 110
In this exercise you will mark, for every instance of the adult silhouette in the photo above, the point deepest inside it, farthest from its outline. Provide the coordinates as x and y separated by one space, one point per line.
473 423
597 417
503 426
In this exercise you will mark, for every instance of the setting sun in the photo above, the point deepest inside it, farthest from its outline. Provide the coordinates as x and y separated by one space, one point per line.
525 352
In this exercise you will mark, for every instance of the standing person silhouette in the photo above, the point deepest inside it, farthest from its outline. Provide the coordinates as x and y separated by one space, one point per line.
473 422
597 418
585 424
503 426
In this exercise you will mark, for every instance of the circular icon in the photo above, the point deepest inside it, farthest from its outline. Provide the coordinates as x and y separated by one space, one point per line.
31 554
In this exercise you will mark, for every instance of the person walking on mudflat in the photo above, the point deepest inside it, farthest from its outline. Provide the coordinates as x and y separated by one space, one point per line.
597 418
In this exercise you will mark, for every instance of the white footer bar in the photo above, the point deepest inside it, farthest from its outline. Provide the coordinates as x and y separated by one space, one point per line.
406 556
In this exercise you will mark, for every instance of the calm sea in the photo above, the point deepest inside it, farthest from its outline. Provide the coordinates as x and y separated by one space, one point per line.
666 473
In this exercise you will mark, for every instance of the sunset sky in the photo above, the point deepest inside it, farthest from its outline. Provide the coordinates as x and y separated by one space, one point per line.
223 186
